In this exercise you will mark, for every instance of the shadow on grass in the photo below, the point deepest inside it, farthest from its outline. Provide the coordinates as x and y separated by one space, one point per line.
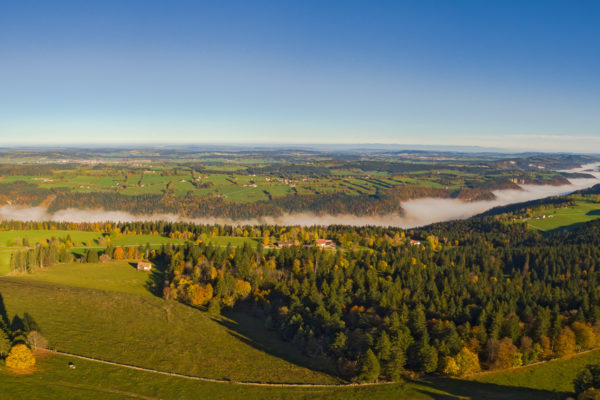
466 389
566 228
250 330
156 279
575 225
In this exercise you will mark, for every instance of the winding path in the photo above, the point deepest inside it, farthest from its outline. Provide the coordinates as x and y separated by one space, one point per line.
214 380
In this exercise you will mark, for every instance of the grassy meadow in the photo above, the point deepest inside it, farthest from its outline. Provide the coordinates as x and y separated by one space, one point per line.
233 241
116 276
11 241
555 375
52 379
559 218
110 305
15 238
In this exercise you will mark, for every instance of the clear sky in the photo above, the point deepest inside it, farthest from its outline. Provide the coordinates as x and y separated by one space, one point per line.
515 74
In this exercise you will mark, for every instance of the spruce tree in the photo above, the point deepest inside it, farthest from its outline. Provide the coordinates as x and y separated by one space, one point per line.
369 367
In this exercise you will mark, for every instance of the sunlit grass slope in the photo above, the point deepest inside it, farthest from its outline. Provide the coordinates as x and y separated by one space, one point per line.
553 375
557 218
140 329
118 276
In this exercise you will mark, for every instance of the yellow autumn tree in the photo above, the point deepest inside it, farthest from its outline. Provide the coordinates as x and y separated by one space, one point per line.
503 354
201 294
242 289
564 345
131 253
464 363
450 366
584 336
119 253
20 357
467 362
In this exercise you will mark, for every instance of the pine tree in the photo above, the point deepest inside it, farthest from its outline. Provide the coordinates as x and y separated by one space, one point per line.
369 367
394 367
383 347
4 343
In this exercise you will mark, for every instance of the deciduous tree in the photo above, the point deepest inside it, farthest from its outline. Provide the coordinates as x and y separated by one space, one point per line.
564 345
20 358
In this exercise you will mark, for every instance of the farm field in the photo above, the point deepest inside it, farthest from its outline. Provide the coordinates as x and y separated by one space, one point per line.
11 241
255 184
141 240
116 321
54 380
116 276
5 262
15 237
234 241
558 218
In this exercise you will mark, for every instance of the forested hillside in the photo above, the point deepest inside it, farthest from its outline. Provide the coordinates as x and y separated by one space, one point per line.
476 294
451 298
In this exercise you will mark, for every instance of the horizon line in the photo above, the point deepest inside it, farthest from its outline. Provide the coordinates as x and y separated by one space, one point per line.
347 146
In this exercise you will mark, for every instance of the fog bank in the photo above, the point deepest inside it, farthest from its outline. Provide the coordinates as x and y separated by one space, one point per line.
416 212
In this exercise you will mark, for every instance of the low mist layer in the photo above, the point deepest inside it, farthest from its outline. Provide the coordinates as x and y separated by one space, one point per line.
416 212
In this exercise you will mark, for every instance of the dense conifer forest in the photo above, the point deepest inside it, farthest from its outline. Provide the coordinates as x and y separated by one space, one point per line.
474 294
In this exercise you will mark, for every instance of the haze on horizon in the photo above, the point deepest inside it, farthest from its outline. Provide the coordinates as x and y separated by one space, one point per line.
510 75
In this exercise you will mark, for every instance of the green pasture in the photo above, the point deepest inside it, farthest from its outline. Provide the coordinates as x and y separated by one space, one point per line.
142 240
117 276
241 194
8 238
560 218
233 240
154 179
555 375
134 328
13 239
5 261
53 379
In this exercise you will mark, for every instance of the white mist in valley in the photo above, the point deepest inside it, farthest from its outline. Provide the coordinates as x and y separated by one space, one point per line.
417 212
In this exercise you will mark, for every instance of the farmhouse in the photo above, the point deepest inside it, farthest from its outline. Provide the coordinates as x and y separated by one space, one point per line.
144 266
325 243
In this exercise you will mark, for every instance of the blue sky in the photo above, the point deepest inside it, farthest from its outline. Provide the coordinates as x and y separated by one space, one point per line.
514 74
